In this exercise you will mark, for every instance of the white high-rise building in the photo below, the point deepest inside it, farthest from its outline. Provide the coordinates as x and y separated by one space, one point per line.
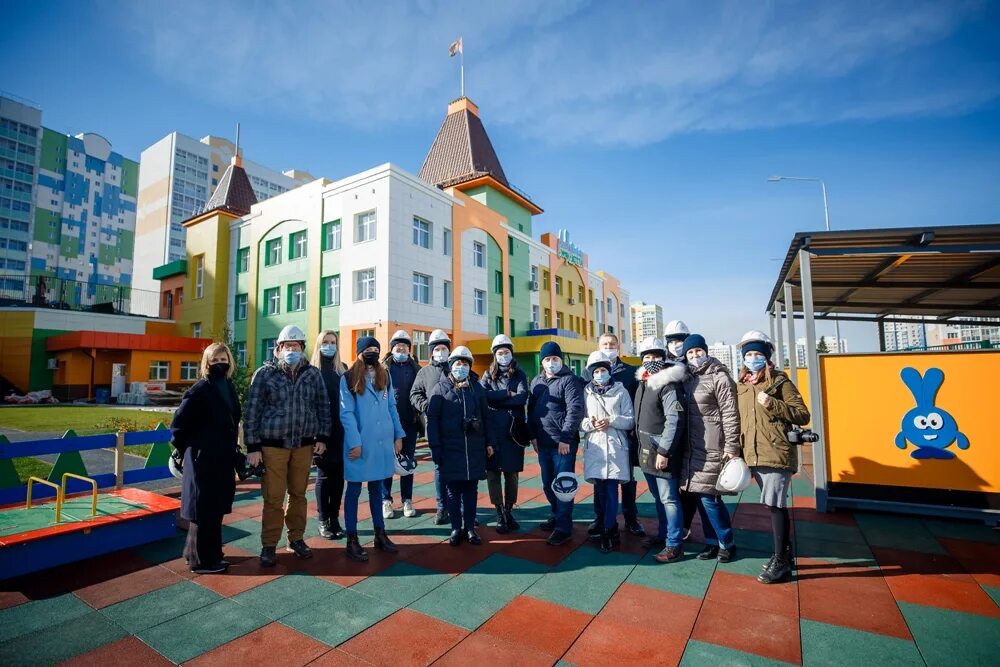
177 175
647 320
901 336
727 354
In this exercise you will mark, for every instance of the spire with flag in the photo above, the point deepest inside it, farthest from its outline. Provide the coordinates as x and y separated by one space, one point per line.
457 47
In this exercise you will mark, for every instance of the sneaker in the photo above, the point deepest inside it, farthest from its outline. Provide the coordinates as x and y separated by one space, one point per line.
300 549
558 538
211 569
709 553
387 511
727 555
268 557
324 529
408 510
670 555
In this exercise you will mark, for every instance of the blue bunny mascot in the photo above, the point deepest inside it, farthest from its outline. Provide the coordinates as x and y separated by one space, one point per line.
929 428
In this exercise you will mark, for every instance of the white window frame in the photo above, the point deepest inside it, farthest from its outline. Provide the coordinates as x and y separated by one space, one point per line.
365 288
296 297
448 294
196 330
333 235
423 233
240 348
199 276
159 371
365 226
299 242
272 301
242 305
478 254
269 345
331 297
272 248
189 370
479 302
423 289
446 241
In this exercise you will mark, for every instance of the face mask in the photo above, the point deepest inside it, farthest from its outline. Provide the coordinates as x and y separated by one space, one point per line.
370 358
218 370
653 367
460 372
674 347
601 377
399 357
552 367
755 362
440 356
610 354
504 358
328 349
698 362
291 357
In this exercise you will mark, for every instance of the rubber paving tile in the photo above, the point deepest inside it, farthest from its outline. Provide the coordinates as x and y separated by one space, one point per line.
273 644
284 595
751 631
40 614
944 593
746 592
610 642
689 576
949 638
165 604
401 584
73 637
631 604
126 652
196 632
834 646
850 597
896 532
521 622
377 644
585 580
130 585
338 617
483 649
698 654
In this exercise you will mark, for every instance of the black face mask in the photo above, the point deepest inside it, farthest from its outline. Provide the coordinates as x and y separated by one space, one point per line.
218 371
370 358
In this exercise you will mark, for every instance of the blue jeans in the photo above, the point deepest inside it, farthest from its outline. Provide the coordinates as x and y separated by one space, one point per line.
669 515
351 505
462 495
552 463
609 496
715 522
405 482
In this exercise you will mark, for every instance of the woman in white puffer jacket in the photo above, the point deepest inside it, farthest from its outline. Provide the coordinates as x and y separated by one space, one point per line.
606 427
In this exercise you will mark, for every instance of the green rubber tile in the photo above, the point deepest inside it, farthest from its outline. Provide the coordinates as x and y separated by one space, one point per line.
829 532
402 584
145 611
163 550
585 580
686 577
974 532
469 599
858 555
993 592
748 562
802 486
280 597
895 532
61 641
247 534
834 645
39 615
950 638
338 617
194 633
699 653
753 540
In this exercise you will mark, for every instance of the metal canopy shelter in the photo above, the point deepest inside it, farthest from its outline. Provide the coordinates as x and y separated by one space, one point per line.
919 274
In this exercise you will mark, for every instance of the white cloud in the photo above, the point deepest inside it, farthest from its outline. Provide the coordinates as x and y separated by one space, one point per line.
568 72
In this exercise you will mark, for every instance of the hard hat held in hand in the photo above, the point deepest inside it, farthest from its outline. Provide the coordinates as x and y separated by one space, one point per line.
565 486
735 476
404 464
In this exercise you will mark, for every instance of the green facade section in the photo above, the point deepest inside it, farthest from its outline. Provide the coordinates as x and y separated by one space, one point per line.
47 225
130 178
494 296
126 243
53 156
519 274
517 216
176 267
107 254
39 375
69 246
281 276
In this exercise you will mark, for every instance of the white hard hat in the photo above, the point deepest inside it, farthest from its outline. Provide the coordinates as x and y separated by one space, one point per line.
598 357
176 464
565 486
652 344
404 464
755 336
676 330
400 337
460 352
291 333
735 476
501 341
439 337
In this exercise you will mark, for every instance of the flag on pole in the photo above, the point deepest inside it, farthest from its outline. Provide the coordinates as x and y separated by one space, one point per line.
456 47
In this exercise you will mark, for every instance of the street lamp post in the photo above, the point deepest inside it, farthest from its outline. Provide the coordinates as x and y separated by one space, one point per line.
826 219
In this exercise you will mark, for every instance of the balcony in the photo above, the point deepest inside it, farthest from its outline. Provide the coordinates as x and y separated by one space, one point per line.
27 291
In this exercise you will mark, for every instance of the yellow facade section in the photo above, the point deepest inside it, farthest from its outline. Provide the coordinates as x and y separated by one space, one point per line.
208 266
15 346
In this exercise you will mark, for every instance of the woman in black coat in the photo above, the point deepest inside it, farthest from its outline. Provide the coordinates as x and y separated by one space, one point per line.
330 464
506 388
205 432
460 442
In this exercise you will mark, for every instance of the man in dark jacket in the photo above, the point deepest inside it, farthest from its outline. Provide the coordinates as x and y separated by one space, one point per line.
555 411
403 370
624 373
426 381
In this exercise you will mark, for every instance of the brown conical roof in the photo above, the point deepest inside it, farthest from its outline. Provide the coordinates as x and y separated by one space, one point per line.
234 193
462 151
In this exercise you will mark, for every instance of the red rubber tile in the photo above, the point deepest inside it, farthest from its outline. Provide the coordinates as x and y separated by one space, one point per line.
444 558
127 586
944 593
852 597
763 633
334 566
124 652
244 573
833 518
12 598
179 567
896 562
337 658
631 605
804 501
744 591
749 521
520 622
266 646
979 559
388 641
73 576
483 649
610 642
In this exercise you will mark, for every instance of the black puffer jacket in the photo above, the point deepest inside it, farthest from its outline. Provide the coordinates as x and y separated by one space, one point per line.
660 419
556 408
404 376
503 410
458 450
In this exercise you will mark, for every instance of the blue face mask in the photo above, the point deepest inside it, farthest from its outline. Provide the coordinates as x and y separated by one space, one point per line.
399 357
755 362
552 367
698 362
460 372
291 357
328 349
601 377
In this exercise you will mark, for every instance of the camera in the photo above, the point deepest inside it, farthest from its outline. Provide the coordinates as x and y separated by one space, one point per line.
245 471
473 425
798 436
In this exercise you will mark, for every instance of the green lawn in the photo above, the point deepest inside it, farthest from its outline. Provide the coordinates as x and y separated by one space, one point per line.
29 467
85 421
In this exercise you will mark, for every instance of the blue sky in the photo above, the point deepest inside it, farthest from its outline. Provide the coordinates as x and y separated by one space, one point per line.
646 129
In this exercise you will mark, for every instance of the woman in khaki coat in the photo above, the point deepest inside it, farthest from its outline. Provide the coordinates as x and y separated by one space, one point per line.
769 406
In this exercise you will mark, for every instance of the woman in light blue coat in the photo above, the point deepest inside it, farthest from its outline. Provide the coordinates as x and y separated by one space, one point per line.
372 438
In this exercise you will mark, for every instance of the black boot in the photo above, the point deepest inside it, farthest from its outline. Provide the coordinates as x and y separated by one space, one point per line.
789 558
633 526
778 571
607 542
548 525
596 529
502 527
337 530
456 538
472 537
324 529
383 543
511 522
354 550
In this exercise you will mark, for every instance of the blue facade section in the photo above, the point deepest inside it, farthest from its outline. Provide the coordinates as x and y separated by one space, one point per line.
37 264
115 159
94 165
66 274
125 279
74 144
50 182
77 188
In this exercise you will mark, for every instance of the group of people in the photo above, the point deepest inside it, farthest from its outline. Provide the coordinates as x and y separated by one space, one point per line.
679 418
